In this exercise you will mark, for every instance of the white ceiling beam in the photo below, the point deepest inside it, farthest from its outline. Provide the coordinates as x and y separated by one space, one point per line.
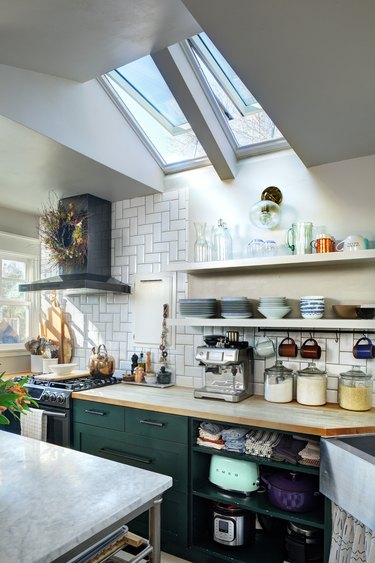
185 87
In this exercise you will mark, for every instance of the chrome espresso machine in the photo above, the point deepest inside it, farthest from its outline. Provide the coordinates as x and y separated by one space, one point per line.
229 369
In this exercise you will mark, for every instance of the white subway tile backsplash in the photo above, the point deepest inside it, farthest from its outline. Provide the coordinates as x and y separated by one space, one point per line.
148 233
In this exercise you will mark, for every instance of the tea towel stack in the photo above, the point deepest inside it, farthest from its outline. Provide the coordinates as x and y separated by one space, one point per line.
310 454
209 435
261 442
234 439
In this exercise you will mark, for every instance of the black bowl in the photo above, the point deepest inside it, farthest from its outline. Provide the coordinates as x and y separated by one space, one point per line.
365 312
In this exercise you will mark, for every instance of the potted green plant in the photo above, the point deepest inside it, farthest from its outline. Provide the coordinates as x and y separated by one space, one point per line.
13 398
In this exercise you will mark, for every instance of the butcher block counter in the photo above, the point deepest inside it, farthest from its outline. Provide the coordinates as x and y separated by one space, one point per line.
329 420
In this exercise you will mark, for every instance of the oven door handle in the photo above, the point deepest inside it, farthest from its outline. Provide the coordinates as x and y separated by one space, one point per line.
58 414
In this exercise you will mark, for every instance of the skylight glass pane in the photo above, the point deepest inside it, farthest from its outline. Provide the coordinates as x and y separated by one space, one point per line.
145 78
247 98
152 106
245 118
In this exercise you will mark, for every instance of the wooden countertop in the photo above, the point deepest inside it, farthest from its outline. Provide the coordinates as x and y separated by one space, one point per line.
329 420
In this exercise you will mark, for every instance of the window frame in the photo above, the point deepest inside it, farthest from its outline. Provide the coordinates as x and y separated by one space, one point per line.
8 242
243 151
180 166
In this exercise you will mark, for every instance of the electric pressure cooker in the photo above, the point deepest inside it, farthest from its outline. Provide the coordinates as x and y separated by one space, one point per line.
233 526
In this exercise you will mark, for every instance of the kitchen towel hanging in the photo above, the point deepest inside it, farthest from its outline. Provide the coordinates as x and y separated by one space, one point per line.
34 424
352 541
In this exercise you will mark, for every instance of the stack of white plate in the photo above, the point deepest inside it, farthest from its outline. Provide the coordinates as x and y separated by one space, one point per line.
235 308
273 307
312 306
204 308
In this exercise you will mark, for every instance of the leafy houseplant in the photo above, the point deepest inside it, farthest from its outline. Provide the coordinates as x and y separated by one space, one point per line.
13 397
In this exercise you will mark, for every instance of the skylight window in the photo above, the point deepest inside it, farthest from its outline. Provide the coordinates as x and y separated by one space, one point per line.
155 112
239 111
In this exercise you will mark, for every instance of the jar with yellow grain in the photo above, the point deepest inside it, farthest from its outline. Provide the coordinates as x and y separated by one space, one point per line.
355 390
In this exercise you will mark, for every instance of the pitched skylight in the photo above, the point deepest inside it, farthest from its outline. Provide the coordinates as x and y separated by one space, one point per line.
146 101
239 111
156 114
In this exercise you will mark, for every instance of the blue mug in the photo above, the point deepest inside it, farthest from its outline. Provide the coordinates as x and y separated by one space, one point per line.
364 351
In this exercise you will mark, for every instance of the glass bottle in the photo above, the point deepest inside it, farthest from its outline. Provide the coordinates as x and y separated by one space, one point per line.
222 242
210 233
200 246
227 243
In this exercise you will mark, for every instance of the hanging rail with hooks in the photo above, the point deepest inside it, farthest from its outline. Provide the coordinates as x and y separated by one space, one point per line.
319 330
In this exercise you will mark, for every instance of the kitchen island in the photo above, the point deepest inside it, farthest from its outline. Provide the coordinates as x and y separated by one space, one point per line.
327 420
57 502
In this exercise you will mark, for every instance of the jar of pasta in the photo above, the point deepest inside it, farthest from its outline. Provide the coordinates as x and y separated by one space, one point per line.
355 390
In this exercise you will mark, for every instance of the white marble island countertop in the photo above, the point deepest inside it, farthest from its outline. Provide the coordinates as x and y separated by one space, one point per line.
53 499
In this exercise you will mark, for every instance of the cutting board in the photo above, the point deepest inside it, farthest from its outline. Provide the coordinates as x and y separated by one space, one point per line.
55 328
53 377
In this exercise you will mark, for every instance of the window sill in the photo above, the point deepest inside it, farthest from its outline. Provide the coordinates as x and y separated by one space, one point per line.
13 350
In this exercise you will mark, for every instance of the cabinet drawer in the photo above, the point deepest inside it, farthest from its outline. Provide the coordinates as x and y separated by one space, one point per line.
159 456
157 425
99 414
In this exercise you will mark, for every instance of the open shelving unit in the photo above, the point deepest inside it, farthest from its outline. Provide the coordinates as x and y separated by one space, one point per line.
265 548
323 324
290 260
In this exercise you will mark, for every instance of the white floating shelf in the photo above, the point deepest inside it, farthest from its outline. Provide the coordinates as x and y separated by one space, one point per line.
289 261
324 324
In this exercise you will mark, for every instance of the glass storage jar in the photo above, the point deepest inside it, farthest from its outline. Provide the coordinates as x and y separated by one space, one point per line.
278 383
311 386
355 390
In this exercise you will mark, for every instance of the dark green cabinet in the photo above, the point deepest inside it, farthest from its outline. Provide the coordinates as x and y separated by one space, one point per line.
149 440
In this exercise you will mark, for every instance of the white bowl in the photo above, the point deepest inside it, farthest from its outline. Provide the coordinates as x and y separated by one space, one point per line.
62 369
274 312
312 315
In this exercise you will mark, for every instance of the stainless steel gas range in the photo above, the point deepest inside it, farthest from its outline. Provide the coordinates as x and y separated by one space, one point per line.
55 399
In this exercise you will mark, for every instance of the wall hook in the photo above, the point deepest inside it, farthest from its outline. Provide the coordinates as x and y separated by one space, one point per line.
337 337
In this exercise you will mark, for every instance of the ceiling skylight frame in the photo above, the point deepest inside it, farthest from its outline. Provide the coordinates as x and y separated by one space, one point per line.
167 168
241 151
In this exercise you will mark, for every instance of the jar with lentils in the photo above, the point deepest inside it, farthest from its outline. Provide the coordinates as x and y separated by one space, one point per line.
355 390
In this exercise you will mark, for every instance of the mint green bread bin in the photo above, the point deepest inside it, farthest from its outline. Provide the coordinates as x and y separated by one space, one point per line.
236 475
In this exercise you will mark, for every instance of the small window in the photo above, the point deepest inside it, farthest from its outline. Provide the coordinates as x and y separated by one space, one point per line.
16 308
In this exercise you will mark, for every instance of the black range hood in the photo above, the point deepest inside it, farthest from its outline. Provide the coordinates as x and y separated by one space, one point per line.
94 275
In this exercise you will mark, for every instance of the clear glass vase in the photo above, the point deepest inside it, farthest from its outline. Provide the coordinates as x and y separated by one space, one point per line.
200 246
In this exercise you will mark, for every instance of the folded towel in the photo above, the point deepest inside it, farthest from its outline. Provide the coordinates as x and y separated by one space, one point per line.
233 433
217 444
288 449
34 424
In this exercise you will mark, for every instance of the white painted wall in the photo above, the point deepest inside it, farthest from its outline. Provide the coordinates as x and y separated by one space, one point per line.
18 223
79 116
340 196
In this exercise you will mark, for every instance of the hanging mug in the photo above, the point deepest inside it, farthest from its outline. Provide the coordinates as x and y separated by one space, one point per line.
311 351
365 350
265 348
288 348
